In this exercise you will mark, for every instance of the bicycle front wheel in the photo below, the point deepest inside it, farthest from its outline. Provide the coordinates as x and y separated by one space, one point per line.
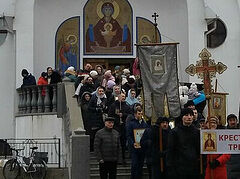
11 169
41 170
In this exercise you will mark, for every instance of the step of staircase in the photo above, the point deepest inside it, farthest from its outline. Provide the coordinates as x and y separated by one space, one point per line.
123 170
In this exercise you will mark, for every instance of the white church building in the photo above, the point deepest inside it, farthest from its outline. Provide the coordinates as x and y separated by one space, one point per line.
28 40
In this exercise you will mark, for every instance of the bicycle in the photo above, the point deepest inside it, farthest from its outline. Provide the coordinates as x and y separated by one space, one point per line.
34 166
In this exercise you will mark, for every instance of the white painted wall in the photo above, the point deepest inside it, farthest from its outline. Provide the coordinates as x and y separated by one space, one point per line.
7 71
23 25
45 126
48 15
228 53
7 7
7 87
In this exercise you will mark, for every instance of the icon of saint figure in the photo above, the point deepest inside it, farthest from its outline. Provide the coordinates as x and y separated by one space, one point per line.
209 143
107 32
158 65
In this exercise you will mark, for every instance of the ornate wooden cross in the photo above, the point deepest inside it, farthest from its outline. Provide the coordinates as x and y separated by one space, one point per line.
155 16
206 69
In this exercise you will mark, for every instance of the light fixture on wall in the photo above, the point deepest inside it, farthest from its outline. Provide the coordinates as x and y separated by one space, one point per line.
5 27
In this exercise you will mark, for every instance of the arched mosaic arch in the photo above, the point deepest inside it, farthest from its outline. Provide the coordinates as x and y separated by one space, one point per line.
108 27
67 44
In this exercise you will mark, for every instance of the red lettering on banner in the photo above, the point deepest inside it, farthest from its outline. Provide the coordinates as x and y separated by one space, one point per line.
235 146
230 137
225 137
230 146
220 137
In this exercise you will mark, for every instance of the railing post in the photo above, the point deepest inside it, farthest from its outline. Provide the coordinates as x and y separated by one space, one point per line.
24 100
54 100
47 101
28 103
34 99
20 99
59 154
40 100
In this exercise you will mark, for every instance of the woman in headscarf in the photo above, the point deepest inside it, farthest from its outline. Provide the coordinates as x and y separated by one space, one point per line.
85 99
131 99
97 107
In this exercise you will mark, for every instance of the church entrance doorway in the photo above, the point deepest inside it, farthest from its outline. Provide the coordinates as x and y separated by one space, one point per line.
110 63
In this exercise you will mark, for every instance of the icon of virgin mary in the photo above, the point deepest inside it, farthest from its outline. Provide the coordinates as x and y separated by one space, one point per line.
107 33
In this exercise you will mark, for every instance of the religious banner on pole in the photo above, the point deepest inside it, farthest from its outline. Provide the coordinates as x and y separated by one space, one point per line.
158 64
220 141
218 106
206 69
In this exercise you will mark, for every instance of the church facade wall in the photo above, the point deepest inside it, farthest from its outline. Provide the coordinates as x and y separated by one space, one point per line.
227 53
7 73
49 15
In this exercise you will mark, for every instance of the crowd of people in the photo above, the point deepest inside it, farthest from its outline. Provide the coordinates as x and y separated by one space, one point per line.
112 115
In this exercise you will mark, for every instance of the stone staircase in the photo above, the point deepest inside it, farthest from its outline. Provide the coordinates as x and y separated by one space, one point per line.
123 171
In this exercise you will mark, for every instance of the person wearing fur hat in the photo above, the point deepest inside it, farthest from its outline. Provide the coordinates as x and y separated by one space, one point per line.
151 145
107 149
28 79
184 149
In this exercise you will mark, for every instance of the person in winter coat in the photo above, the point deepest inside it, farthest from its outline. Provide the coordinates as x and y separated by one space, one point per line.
120 110
184 149
98 80
107 149
233 164
71 74
43 81
137 153
28 79
150 142
53 76
85 99
97 106
107 76
216 163
88 86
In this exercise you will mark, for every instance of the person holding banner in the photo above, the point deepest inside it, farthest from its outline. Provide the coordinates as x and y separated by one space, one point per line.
134 131
183 152
154 142
216 163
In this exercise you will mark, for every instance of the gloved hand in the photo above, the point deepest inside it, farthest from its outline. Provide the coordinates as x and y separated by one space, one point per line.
214 164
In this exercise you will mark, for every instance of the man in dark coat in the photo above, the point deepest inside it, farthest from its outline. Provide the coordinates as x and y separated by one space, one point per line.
120 110
133 132
233 164
53 76
184 149
107 149
150 142
28 79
